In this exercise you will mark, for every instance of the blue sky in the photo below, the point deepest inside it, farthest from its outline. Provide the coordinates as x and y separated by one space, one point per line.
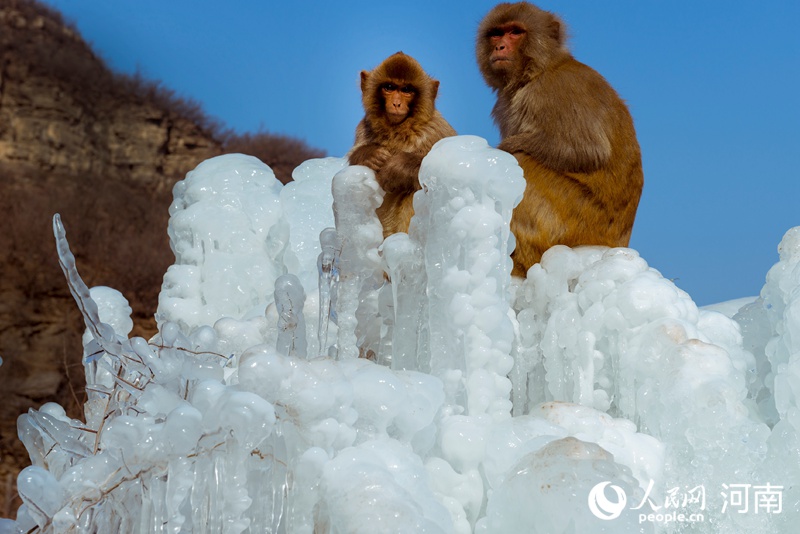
713 86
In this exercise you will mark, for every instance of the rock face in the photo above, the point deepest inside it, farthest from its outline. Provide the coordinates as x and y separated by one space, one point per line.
104 151
62 109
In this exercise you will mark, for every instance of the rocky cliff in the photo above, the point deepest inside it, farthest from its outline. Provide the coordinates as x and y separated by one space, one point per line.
62 109
104 151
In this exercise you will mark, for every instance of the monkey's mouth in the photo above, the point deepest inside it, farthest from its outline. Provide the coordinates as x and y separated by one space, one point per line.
396 118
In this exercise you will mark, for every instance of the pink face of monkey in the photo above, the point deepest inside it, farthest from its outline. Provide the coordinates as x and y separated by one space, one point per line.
398 98
505 41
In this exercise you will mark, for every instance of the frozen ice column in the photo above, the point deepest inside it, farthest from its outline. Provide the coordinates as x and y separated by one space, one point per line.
462 222
228 245
356 195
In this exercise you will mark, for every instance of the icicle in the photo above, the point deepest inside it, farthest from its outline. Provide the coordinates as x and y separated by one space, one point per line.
267 484
130 373
40 490
386 326
102 332
328 266
47 432
406 268
289 298
356 195
519 373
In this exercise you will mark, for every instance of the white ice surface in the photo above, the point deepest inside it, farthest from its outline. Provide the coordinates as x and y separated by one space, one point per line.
486 411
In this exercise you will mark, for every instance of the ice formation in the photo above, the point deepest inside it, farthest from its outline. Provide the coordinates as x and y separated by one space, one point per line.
295 387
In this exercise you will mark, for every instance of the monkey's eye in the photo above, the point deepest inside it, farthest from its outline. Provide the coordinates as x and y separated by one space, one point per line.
389 87
407 89
495 32
516 31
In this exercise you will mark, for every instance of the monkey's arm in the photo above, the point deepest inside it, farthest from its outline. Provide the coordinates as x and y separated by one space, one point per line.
562 155
371 155
572 131
401 172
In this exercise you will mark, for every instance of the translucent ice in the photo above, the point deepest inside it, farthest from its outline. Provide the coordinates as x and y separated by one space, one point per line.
114 310
545 492
328 267
289 301
356 194
307 202
380 486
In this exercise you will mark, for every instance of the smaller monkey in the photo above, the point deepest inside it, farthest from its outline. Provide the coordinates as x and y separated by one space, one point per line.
399 127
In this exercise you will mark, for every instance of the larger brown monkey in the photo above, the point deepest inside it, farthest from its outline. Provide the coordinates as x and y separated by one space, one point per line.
569 130
399 128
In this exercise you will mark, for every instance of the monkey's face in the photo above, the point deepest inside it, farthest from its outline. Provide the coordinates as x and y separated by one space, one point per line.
504 42
398 99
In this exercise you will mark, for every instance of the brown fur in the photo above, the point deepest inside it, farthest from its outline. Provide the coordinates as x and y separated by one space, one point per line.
570 132
395 150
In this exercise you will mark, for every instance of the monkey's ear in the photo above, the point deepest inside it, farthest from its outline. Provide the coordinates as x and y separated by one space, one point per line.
435 89
555 29
364 78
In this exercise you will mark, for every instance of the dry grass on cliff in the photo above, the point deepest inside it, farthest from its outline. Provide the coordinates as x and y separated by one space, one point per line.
116 230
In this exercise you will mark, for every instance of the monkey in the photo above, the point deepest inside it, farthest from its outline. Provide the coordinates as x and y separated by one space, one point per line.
399 127
569 130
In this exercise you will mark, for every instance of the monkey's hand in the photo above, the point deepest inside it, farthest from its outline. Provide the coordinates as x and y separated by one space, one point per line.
371 155
400 173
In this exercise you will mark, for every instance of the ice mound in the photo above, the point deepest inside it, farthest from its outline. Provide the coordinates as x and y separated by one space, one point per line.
310 377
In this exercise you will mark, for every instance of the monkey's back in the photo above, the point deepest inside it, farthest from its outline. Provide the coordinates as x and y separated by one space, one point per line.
575 140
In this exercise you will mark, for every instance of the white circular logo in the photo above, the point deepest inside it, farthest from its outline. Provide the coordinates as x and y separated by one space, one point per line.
603 508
